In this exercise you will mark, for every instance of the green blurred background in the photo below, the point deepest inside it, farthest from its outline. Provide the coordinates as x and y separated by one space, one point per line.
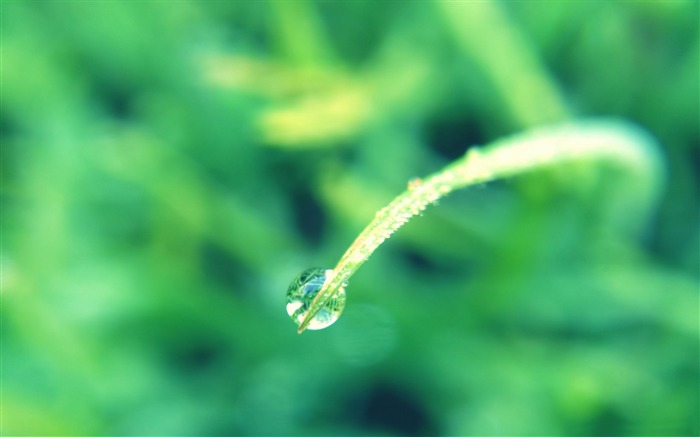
168 168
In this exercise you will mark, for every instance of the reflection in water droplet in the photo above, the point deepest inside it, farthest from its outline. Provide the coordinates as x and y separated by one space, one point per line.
302 292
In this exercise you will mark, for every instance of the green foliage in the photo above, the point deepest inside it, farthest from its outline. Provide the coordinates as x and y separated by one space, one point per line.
168 167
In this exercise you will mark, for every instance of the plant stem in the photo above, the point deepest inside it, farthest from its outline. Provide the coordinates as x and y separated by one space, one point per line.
629 149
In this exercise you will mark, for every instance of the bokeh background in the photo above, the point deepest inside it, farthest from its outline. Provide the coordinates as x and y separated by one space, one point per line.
168 167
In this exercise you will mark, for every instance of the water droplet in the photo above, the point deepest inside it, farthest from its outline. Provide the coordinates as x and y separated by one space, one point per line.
415 183
302 292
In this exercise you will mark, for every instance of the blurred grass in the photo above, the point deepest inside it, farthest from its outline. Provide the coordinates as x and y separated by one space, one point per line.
168 168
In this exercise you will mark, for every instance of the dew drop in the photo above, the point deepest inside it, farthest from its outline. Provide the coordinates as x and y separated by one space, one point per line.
415 183
302 292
